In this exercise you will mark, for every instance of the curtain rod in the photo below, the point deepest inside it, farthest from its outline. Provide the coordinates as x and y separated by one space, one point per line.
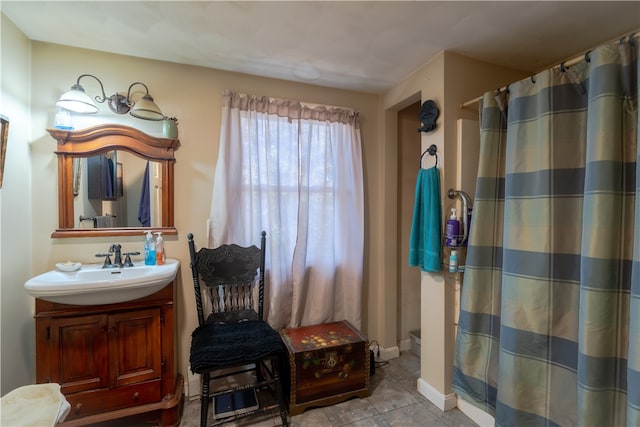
566 63
302 103
314 105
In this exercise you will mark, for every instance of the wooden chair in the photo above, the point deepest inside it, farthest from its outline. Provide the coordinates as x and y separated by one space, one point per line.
234 334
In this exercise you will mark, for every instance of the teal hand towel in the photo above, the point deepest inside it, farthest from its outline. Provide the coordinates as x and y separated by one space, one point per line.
426 227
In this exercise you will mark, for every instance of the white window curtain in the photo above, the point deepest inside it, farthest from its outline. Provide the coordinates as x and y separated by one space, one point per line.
294 171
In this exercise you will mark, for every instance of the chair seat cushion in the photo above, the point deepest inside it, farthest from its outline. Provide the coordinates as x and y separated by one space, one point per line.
219 345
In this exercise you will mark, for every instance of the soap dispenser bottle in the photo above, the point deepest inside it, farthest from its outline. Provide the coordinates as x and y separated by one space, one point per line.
149 250
453 230
160 256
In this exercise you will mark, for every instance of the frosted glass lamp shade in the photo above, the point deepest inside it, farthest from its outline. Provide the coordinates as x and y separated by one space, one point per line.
77 100
146 109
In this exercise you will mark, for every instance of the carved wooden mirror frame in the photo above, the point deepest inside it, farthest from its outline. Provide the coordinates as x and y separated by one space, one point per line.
100 139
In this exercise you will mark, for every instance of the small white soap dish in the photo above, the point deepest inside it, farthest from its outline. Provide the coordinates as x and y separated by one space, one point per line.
68 266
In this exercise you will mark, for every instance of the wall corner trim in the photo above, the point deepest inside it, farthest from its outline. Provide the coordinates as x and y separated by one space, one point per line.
444 402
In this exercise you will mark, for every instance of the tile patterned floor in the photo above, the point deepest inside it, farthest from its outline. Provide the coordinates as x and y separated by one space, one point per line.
394 401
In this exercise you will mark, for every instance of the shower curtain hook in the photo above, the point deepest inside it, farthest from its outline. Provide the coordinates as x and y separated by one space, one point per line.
587 56
533 80
562 67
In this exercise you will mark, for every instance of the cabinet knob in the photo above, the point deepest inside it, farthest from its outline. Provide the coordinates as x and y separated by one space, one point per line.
78 408
136 395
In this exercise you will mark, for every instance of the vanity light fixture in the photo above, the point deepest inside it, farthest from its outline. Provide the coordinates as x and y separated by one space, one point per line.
77 101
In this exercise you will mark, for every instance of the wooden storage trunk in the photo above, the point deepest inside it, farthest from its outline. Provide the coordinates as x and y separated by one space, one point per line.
328 363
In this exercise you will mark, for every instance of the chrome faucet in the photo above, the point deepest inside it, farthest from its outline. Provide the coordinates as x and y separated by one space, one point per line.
115 248
127 259
107 260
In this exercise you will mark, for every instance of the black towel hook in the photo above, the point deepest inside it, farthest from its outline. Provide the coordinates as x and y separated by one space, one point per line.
432 150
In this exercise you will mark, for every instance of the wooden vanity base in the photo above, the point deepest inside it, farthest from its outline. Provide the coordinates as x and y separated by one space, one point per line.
112 361
167 412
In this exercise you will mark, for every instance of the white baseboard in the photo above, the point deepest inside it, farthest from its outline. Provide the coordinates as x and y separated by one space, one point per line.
444 402
193 388
476 414
405 345
193 384
389 353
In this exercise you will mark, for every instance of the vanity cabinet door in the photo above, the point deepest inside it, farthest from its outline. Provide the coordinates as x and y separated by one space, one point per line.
78 356
134 343
112 361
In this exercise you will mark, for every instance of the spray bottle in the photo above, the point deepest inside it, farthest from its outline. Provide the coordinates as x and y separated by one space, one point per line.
149 250
160 255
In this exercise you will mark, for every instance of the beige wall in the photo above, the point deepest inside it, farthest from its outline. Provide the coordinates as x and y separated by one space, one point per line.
408 277
425 83
16 307
193 95
449 80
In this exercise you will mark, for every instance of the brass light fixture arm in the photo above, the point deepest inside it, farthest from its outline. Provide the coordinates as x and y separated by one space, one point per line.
120 104
78 101
77 86
129 92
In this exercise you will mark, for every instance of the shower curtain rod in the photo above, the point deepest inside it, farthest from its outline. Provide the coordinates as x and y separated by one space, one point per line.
566 63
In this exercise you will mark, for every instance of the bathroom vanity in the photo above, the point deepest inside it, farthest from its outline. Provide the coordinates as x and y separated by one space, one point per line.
112 361
107 336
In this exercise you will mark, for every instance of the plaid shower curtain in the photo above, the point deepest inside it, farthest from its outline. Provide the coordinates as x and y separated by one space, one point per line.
549 328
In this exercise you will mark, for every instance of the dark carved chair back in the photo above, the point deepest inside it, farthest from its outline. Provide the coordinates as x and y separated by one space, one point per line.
233 338
230 274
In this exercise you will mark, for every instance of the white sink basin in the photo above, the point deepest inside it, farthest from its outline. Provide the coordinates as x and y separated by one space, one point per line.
94 285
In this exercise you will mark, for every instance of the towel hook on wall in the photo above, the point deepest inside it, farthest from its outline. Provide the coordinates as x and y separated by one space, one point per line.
432 150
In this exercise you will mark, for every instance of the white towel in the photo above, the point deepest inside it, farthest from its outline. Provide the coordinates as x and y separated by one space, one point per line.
36 405
104 221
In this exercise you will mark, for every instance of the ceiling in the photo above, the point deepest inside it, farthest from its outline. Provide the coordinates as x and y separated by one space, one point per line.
363 46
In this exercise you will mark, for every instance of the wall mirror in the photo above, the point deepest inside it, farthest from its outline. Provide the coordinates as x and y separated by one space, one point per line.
113 180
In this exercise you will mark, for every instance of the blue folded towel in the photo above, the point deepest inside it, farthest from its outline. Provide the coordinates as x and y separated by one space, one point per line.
109 192
426 227
144 209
